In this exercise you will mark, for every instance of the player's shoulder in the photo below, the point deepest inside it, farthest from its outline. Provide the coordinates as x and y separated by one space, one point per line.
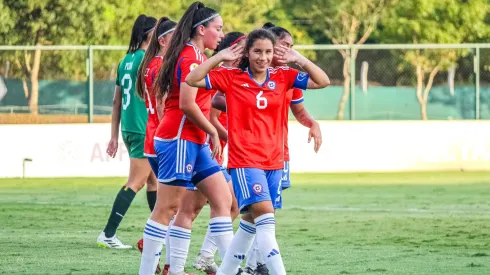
191 52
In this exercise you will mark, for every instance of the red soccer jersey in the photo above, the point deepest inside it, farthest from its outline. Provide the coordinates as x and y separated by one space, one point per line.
151 73
256 114
224 121
174 124
293 96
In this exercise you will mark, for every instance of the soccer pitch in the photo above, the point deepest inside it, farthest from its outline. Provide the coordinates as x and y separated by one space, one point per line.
413 223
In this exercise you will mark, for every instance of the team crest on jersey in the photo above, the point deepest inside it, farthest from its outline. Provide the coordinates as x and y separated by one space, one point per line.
257 188
188 168
301 76
271 85
193 66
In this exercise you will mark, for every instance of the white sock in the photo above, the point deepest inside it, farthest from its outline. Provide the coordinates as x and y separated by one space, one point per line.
222 232
153 239
242 241
180 239
266 239
252 256
167 243
209 247
258 256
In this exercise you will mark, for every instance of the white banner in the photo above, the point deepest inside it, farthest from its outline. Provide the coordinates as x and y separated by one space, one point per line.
78 150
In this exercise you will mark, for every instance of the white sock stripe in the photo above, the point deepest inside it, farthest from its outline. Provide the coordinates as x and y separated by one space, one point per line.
248 229
159 230
265 222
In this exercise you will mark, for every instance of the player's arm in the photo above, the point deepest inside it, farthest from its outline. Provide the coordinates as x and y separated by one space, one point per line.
304 118
197 77
213 117
219 101
317 77
161 106
115 121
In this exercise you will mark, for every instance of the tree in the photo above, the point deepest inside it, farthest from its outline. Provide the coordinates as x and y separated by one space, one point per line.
344 22
433 21
55 22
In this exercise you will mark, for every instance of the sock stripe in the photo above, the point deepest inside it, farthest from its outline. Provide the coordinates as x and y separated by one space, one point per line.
155 231
179 236
149 226
154 235
218 223
220 227
266 221
247 229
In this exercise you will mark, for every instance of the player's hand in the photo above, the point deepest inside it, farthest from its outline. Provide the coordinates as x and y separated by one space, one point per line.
316 134
287 55
232 53
112 147
214 139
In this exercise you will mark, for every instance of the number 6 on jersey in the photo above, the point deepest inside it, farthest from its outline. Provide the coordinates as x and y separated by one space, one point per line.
261 101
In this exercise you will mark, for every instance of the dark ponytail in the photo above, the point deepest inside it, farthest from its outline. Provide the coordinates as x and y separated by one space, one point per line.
252 37
163 27
186 29
141 28
228 41
279 32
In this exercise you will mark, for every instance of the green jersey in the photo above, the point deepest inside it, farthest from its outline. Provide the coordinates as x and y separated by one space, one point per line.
133 114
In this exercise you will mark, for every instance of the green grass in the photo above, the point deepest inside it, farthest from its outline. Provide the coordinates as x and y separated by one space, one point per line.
415 223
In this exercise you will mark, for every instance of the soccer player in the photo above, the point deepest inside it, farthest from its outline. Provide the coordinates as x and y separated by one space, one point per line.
147 74
294 101
180 143
255 96
205 259
129 110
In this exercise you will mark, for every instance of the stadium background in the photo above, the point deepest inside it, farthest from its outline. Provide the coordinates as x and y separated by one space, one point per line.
359 222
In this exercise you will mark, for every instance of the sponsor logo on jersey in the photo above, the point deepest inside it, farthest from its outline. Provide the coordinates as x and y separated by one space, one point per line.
257 188
271 85
244 85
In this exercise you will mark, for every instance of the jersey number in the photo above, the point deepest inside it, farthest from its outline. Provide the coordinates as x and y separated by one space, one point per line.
261 101
126 89
150 108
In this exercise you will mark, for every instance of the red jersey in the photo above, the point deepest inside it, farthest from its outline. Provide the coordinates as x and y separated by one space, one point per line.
256 114
293 96
223 119
151 73
174 124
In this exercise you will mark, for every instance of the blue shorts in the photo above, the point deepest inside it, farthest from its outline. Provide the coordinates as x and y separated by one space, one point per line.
184 163
225 173
286 176
154 164
252 185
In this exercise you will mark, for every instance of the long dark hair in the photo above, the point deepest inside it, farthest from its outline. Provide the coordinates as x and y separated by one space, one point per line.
141 28
279 32
228 41
186 29
164 26
252 37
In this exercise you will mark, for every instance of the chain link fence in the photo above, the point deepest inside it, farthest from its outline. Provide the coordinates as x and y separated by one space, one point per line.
385 82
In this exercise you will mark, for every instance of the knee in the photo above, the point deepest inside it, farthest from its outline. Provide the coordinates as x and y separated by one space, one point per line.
135 185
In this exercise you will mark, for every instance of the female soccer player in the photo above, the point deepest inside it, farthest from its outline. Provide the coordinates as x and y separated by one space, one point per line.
180 144
255 95
129 110
294 101
147 74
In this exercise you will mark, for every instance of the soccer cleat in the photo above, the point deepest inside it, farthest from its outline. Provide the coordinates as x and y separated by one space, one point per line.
159 269
246 271
205 264
114 242
165 269
261 269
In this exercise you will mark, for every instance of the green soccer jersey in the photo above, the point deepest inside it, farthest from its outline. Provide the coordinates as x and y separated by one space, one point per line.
133 114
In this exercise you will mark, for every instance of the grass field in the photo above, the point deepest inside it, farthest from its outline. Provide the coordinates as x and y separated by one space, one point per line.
419 223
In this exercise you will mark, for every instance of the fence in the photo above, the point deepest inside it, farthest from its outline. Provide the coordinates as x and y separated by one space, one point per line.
384 82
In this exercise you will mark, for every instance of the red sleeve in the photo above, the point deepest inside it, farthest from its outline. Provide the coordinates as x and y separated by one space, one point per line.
296 79
297 96
186 65
219 79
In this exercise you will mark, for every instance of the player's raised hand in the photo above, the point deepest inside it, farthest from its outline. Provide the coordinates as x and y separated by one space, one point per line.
287 55
316 134
216 152
231 53
112 147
